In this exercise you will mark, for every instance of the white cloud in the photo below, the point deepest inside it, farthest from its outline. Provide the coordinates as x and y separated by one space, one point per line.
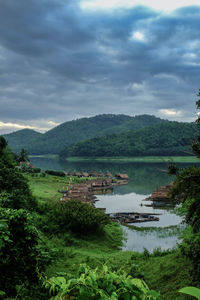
139 36
169 5
14 125
40 125
52 123
138 86
170 112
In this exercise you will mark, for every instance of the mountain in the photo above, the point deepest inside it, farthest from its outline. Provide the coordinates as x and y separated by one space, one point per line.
22 138
74 131
165 138
117 132
53 141
137 122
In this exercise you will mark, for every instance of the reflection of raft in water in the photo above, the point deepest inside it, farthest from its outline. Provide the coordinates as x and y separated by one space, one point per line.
133 217
159 205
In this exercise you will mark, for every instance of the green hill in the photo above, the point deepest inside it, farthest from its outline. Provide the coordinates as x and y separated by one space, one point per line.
22 138
165 138
137 122
74 131
54 140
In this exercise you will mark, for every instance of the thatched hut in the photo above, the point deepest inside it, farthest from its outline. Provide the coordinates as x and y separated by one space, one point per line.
121 176
85 174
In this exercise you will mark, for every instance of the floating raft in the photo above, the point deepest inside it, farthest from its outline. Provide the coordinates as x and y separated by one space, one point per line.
161 195
86 191
133 217
157 204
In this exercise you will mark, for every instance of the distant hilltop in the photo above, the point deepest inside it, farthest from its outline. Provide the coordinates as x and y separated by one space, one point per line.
108 129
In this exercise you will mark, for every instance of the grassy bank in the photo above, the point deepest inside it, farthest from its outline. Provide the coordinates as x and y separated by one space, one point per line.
45 189
53 156
164 272
142 159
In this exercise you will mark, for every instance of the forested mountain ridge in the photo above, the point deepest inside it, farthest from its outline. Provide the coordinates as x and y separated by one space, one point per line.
168 138
137 122
22 138
54 140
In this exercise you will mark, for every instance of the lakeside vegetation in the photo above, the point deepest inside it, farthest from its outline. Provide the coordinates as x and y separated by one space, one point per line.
143 159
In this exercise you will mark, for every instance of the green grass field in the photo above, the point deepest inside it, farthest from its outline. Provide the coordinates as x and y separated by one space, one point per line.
46 188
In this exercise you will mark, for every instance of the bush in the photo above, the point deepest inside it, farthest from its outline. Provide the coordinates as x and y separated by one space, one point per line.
19 251
55 173
13 183
190 247
81 217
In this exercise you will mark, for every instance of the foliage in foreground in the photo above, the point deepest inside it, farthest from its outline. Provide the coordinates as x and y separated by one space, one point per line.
192 291
19 252
99 284
186 191
14 189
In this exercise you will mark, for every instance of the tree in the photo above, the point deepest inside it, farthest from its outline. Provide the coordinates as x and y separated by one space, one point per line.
23 155
19 250
13 184
186 191
3 144
196 144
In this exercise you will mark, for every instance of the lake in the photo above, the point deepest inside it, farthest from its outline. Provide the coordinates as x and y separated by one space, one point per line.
144 178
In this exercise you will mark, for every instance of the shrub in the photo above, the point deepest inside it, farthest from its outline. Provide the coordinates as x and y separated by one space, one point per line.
81 217
19 250
16 186
190 247
55 173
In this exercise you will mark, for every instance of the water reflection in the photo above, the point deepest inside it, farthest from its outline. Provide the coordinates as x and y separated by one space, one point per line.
134 203
138 240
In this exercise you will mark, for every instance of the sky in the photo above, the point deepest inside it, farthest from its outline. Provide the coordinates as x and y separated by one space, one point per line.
62 60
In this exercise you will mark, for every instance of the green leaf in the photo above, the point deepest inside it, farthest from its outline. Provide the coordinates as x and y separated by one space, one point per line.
114 296
153 294
2 293
192 291
105 269
126 296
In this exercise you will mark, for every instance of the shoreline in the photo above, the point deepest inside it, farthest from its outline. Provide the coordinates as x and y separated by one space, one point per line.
120 159
142 159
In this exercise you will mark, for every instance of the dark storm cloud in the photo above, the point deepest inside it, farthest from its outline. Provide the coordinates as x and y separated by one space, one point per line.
58 62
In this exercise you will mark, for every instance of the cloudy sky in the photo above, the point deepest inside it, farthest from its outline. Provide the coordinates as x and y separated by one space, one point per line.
66 59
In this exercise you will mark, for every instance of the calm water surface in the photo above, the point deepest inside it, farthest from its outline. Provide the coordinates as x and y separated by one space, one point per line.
144 178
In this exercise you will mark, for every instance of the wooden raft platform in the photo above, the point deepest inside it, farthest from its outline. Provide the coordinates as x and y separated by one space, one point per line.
160 197
86 191
133 217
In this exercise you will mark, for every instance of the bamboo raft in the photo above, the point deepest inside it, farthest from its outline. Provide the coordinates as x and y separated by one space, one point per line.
161 194
133 217
86 191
